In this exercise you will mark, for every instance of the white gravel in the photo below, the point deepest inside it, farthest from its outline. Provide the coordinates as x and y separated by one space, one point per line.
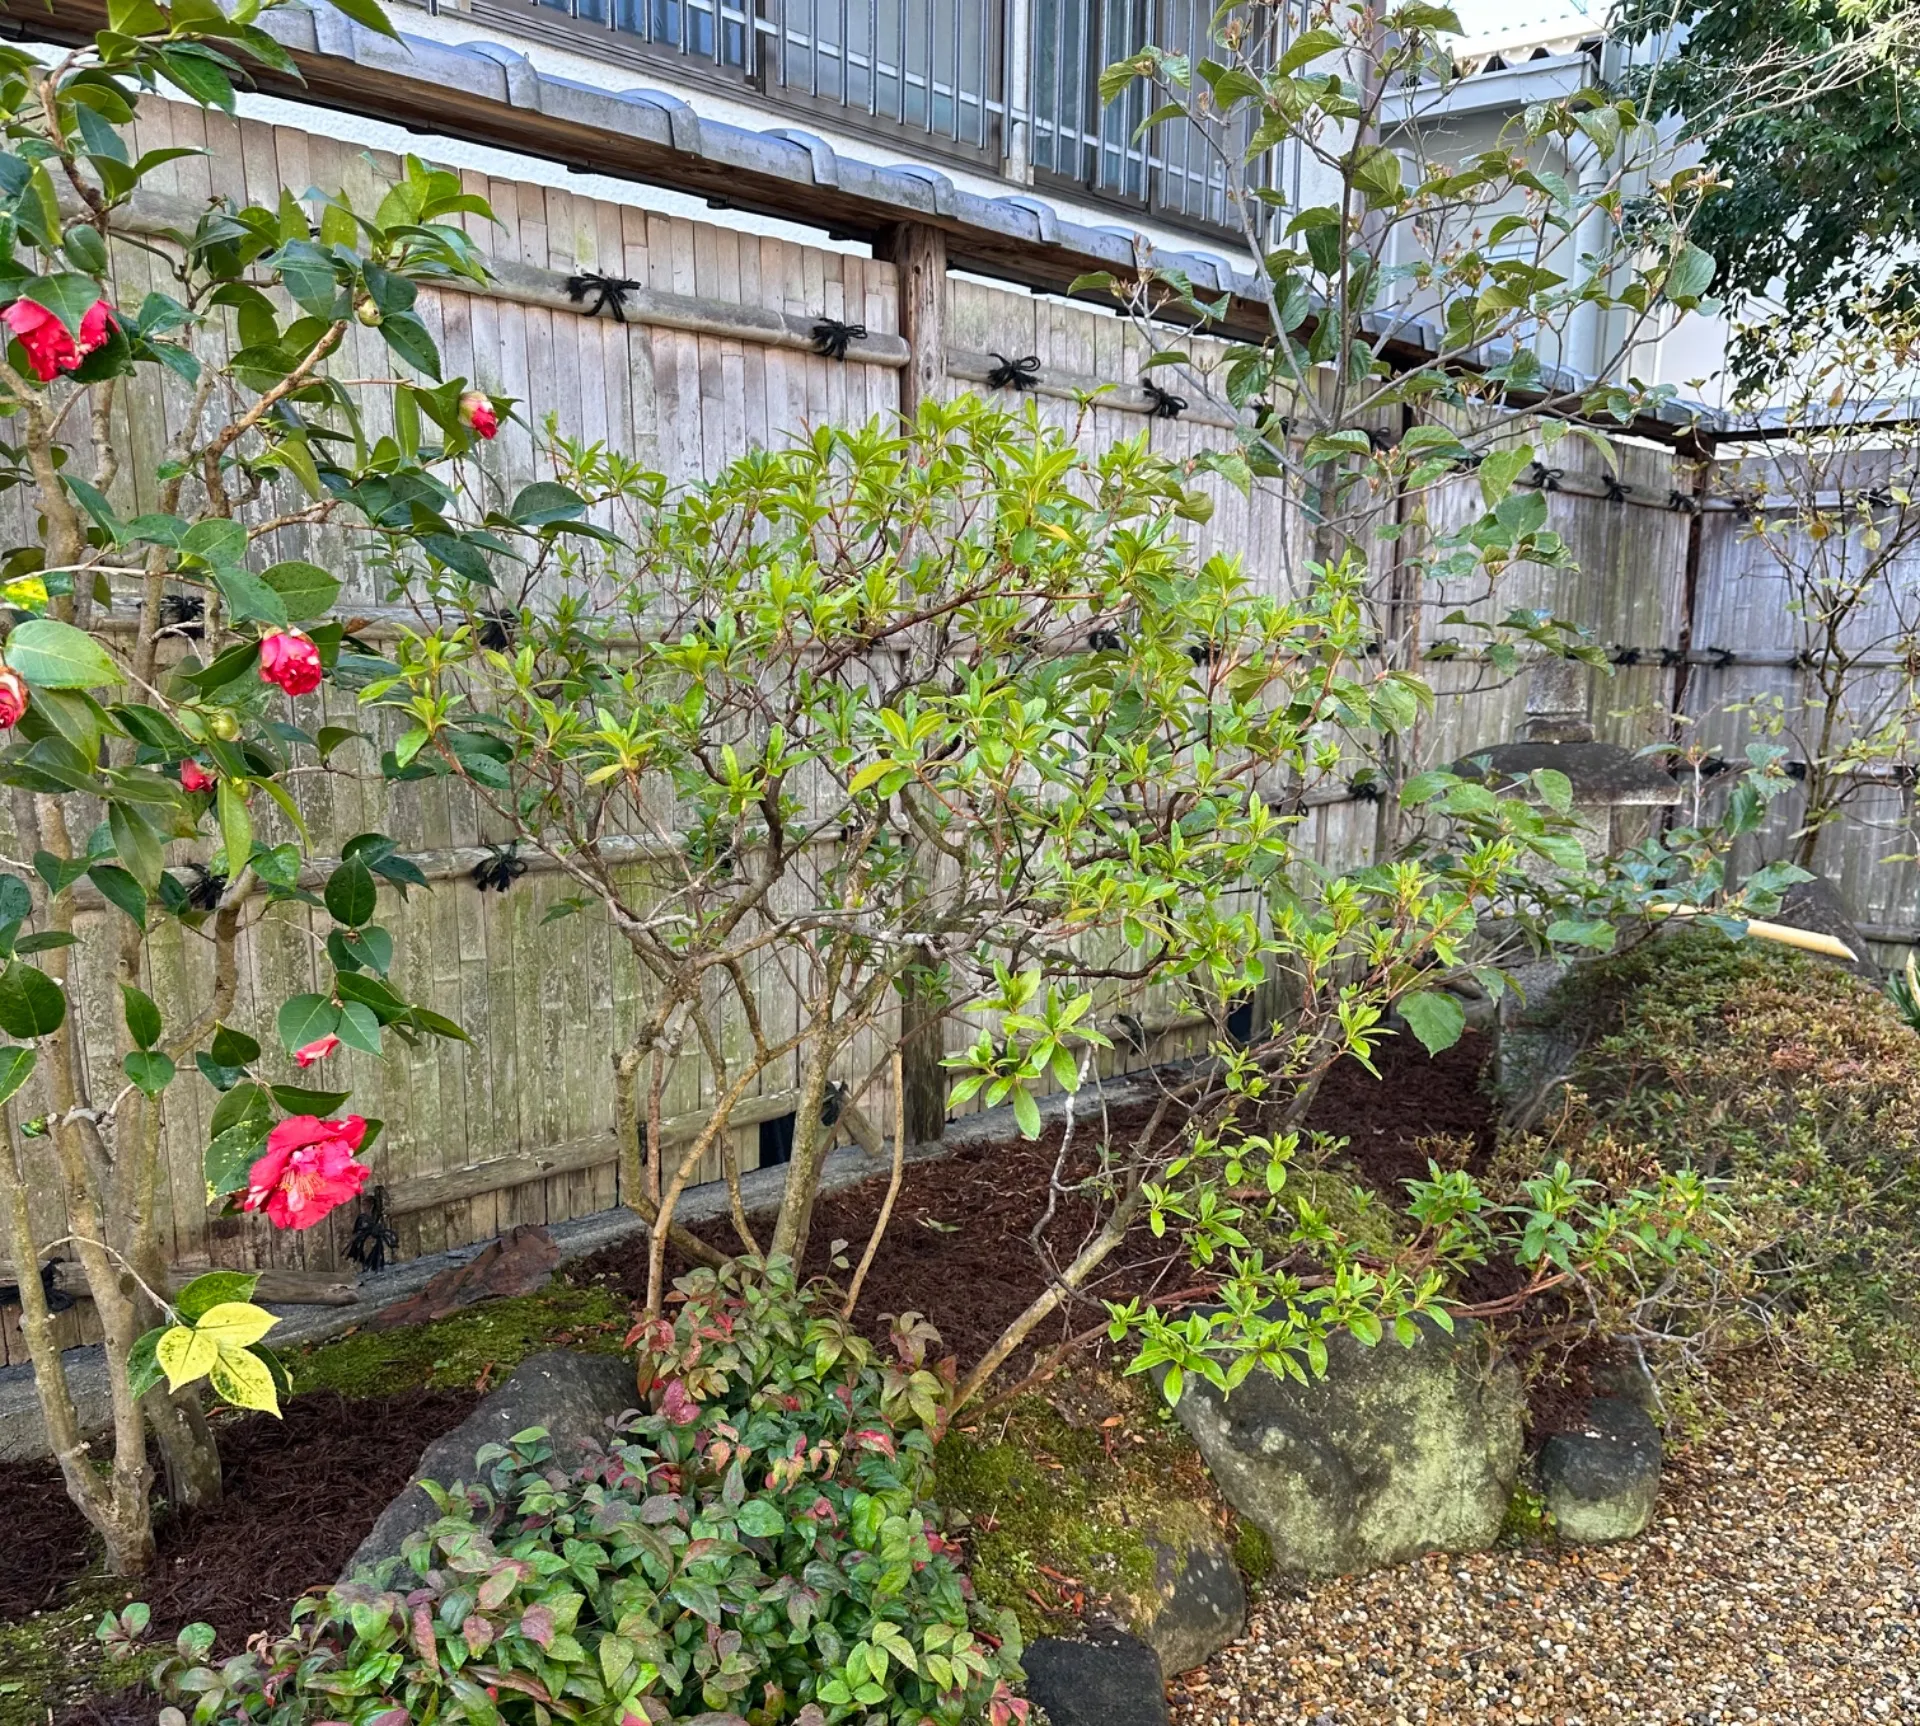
1779 1585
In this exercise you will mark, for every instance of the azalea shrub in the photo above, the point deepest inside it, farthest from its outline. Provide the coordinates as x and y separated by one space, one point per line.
757 1545
163 642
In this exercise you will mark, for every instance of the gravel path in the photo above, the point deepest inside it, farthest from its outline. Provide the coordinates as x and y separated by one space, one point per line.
1779 1585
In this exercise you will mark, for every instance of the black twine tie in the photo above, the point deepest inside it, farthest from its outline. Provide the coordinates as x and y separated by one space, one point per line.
831 337
1020 374
1166 405
609 293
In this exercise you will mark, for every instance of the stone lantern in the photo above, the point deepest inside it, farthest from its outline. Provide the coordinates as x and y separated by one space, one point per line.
1617 796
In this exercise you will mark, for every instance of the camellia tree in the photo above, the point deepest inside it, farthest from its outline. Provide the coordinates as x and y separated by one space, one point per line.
160 654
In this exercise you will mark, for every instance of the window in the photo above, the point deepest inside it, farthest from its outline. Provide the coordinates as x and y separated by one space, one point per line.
929 69
1180 168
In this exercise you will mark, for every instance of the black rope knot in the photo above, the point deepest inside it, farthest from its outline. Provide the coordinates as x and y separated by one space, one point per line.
1163 404
1624 656
1020 374
373 1236
1683 502
609 293
57 1299
1672 656
499 869
831 337
1616 492
183 614
1544 478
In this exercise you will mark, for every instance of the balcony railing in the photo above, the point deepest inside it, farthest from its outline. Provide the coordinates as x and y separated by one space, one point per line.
933 75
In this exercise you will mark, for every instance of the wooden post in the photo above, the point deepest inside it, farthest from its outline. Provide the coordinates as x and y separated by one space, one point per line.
919 254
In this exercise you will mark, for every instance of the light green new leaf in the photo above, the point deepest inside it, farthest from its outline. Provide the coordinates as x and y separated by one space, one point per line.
1436 1019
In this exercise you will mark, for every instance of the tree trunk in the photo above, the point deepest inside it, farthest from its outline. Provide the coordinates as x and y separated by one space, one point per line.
810 1142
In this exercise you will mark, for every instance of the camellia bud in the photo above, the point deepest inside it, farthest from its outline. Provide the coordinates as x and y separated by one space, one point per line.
13 697
194 777
224 724
476 414
367 309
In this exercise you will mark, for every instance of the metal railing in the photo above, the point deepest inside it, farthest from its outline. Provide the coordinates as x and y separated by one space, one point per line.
937 70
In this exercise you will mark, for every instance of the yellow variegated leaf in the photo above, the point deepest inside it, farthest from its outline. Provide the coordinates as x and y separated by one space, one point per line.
244 1380
236 1324
185 1355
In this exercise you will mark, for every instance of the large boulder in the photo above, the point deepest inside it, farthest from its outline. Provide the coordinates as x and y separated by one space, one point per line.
1107 1678
574 1396
1394 1452
1601 1482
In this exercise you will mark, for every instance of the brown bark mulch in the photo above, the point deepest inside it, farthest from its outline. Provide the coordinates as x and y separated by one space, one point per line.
301 1495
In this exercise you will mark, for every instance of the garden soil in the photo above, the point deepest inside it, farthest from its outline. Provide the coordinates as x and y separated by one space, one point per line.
301 1494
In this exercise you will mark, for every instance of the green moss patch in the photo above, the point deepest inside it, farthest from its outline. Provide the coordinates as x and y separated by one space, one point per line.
488 1340
1060 1495
53 1659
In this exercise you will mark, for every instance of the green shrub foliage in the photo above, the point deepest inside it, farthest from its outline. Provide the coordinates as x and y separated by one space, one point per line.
755 1546
1793 1088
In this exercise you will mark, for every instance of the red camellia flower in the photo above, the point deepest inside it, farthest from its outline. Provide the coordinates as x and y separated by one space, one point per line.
308 1169
289 659
476 413
13 697
50 349
318 1050
194 777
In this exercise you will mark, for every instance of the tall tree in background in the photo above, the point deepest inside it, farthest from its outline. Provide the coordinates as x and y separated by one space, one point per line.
1807 109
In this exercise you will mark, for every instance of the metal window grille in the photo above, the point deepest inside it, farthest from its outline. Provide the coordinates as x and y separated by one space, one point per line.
931 66
1179 168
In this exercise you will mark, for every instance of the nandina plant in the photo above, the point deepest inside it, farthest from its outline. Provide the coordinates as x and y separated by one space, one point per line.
756 1546
161 651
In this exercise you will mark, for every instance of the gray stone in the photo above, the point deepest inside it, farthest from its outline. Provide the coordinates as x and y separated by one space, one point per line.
1199 1603
1601 1482
1395 1452
1816 904
1107 1679
573 1396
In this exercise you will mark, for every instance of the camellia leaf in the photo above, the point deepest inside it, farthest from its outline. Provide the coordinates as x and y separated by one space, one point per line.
150 1071
240 1377
236 825
55 655
233 1048
1436 1019
185 1355
214 1289
16 1068
306 1019
358 1028
32 1004
231 1156
305 589
143 1017
235 1324
143 1366
350 894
